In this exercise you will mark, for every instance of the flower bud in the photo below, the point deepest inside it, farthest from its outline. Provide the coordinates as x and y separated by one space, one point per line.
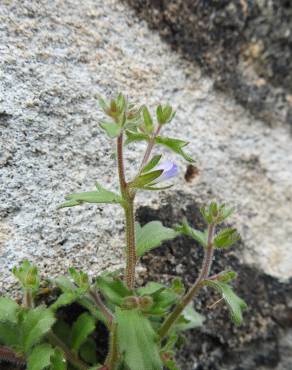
146 302
130 302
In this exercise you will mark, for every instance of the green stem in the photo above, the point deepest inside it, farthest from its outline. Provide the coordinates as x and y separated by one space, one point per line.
188 297
131 257
128 197
28 298
149 148
70 356
103 308
112 357
121 170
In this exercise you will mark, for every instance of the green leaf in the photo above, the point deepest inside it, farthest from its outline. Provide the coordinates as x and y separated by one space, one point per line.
200 236
159 114
111 128
10 335
135 136
152 163
147 120
234 303
58 361
63 331
100 196
226 276
164 114
151 236
145 179
163 298
112 288
177 286
189 319
121 102
137 341
155 188
65 284
103 104
88 351
175 145
40 357
87 303
80 278
36 323
71 203
150 288
215 213
64 300
8 310
226 238
82 328
171 364
28 276
71 292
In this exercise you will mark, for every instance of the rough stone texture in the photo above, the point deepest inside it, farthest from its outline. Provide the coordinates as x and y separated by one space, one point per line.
246 45
56 57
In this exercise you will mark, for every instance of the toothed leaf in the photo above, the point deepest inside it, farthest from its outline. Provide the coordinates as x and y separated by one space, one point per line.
137 340
111 128
226 238
40 357
235 304
82 328
8 310
200 236
135 136
151 236
189 319
36 323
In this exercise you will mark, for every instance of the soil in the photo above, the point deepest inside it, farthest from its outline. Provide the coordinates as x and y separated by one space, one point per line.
246 46
260 342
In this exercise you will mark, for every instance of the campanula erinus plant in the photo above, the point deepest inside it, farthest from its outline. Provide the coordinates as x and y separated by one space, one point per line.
144 322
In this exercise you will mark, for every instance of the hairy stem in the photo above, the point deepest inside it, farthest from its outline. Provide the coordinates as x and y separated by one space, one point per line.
99 303
131 257
112 357
121 170
129 216
188 297
70 356
8 355
28 299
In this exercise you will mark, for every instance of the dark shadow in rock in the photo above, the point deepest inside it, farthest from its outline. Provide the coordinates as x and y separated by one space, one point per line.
245 45
219 344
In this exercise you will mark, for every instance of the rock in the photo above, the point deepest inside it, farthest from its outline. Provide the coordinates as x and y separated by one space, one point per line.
56 58
245 45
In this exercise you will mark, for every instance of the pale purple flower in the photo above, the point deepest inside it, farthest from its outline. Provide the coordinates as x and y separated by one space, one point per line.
169 170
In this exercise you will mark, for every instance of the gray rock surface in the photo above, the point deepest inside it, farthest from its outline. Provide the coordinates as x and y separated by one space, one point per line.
245 45
56 57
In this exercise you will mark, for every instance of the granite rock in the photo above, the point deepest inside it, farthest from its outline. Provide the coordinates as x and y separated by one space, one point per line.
245 45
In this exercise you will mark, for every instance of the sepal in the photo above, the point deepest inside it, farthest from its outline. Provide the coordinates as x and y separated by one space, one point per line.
174 145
